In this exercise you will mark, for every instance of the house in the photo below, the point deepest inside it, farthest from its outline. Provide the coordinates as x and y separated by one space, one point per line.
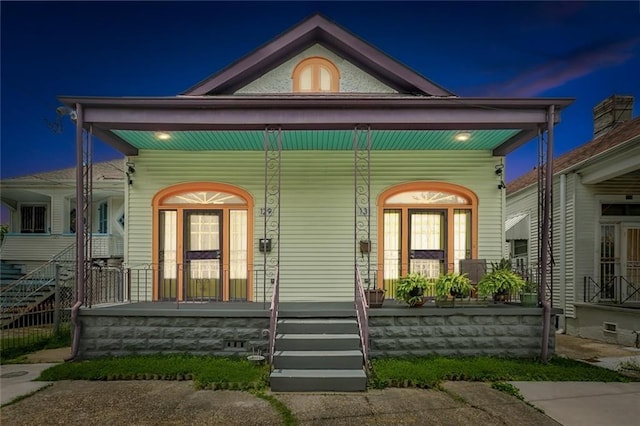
42 215
312 164
596 227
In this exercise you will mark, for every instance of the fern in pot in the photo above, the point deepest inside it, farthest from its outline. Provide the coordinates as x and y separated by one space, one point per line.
453 284
410 288
500 283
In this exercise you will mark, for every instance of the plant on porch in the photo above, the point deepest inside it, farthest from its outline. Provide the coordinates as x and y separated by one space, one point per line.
453 284
410 288
500 282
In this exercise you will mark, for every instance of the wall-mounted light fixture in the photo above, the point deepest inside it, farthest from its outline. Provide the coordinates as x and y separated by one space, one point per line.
131 169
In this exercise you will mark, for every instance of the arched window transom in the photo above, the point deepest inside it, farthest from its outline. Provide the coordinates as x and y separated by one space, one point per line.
316 75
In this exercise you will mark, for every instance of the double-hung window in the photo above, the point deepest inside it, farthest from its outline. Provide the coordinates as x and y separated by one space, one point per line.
33 219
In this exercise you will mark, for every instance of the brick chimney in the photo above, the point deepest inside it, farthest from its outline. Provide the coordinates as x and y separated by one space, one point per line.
613 110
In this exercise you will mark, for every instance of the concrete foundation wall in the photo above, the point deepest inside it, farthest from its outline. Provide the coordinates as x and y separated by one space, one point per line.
494 331
509 332
106 334
608 324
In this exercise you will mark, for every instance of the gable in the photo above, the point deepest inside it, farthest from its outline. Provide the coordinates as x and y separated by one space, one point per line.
352 78
316 30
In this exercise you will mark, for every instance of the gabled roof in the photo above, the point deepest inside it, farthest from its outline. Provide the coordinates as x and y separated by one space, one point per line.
102 171
626 132
317 30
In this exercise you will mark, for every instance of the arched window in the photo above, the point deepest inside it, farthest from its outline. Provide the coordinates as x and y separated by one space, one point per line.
202 246
316 75
425 227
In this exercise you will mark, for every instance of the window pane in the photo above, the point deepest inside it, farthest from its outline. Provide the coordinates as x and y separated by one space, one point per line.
204 197
461 237
426 197
305 79
33 219
238 282
607 260
392 250
325 79
167 256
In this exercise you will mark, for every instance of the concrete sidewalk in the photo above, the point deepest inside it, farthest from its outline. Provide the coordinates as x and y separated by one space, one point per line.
16 380
458 403
585 403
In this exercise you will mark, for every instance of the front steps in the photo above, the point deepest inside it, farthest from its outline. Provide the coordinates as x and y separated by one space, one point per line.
318 354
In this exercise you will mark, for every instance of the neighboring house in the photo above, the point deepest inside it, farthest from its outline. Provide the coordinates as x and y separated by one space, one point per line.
309 159
596 227
42 215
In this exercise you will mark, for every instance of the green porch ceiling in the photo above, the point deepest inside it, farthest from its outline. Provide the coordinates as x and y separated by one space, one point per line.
321 140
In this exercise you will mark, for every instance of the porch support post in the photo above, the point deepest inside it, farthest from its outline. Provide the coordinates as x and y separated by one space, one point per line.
271 210
80 219
362 202
545 240
87 212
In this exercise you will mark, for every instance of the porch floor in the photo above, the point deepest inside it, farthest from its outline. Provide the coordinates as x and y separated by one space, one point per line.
286 309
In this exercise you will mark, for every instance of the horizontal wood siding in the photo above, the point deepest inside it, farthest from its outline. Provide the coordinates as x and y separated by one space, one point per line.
586 222
41 248
317 205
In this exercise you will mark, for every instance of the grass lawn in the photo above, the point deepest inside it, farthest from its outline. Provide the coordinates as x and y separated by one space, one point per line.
238 373
428 372
206 372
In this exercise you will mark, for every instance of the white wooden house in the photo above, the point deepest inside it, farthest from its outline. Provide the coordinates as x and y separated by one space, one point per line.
596 227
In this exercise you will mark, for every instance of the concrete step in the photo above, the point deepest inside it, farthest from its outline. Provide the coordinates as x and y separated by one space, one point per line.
317 326
318 360
284 380
313 342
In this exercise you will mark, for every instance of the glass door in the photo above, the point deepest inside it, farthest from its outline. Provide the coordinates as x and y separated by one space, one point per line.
427 242
203 255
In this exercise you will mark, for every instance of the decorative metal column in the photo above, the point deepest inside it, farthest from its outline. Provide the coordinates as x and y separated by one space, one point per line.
270 242
362 201
86 212
545 226
545 218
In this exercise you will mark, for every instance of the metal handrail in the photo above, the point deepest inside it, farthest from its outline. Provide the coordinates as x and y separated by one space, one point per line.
42 276
273 317
362 307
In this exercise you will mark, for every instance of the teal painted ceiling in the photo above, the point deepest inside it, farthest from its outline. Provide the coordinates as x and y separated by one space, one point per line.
331 140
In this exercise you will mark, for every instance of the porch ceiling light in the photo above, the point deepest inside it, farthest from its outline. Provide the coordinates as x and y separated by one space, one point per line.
462 136
163 136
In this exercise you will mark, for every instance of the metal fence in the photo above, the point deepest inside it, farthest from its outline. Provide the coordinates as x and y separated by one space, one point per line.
32 325
616 289
176 283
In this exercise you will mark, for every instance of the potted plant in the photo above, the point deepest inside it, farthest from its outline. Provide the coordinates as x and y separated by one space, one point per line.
375 296
453 284
410 288
529 295
500 282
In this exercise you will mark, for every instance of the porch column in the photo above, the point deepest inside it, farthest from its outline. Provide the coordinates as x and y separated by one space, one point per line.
269 245
545 234
362 202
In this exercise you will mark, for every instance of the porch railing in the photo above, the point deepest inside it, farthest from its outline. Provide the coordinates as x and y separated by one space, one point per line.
617 289
273 317
157 283
362 314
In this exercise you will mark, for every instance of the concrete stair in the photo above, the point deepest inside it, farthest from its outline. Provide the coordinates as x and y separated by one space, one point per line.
318 354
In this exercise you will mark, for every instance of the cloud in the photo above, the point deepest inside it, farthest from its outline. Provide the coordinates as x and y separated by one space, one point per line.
555 73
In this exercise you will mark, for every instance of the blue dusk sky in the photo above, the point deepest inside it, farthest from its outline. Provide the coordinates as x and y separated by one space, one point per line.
584 50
